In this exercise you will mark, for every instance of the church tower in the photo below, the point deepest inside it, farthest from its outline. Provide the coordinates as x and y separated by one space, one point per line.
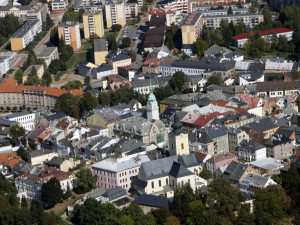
152 106
178 139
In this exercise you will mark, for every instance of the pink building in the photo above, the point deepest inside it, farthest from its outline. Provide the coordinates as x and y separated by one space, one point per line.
113 172
220 160
131 10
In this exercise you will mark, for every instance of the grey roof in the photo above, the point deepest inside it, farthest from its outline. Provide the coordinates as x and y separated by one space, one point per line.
128 145
240 88
108 116
277 139
25 28
18 114
45 51
251 145
115 193
55 116
205 65
120 107
262 125
153 201
100 45
119 57
95 193
102 68
178 170
255 181
56 161
29 69
267 164
213 87
154 81
213 50
200 137
234 171
234 118
68 24
36 153
285 132
214 132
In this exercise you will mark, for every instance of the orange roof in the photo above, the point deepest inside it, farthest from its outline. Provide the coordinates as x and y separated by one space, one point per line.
76 92
239 110
12 162
152 62
6 156
205 119
220 103
9 86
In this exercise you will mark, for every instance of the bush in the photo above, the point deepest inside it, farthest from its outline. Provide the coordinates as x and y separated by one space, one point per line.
116 27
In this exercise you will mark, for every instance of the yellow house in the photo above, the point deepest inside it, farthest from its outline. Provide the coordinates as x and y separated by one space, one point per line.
39 156
119 60
100 51
64 164
39 71
93 24
103 119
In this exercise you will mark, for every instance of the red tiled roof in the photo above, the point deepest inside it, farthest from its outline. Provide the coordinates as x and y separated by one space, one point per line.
153 62
10 86
12 162
6 156
220 103
205 119
263 33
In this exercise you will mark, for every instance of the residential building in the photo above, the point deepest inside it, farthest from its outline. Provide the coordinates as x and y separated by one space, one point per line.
59 5
63 164
240 40
150 66
93 25
219 160
152 202
102 71
178 6
26 119
251 151
119 60
13 96
100 51
279 147
39 72
152 106
25 35
140 129
165 66
250 20
113 172
70 33
163 176
4 65
131 10
33 11
267 165
237 171
195 83
48 54
235 120
264 126
39 156
235 137
253 182
205 3
115 13
142 86
191 30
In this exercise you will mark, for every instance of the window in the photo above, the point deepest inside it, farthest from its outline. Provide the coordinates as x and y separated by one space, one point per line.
152 183
167 181
182 146
159 183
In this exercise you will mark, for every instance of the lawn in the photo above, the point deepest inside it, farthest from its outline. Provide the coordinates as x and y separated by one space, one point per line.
60 208
81 55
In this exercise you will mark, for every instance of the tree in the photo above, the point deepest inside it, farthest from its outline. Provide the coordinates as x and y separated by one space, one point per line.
160 215
125 220
68 193
71 85
23 153
227 32
215 79
33 79
49 22
256 48
254 6
199 46
31 59
85 181
47 78
282 44
271 203
197 214
19 76
132 55
268 22
136 214
116 27
205 174
88 102
162 92
80 15
169 40
66 103
65 50
8 191
51 193
172 220
125 42
55 66
87 82
177 81
229 12
112 43
15 132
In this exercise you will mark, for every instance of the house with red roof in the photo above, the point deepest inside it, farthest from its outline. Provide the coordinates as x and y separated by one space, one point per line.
150 66
240 40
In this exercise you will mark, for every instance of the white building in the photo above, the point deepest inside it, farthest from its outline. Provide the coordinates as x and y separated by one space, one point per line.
102 71
152 106
27 119
251 151
47 53
59 5
4 65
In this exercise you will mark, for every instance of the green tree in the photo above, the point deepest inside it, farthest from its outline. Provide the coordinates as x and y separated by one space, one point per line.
47 78
160 215
136 214
227 32
68 193
199 46
125 42
88 102
177 81
49 22
169 40
65 50
55 66
24 152
172 220
85 181
112 43
33 79
256 48
215 79
268 22
66 103
125 220
31 59
80 15
70 15
245 217
87 82
229 11
116 27
197 213
205 174
12 24
15 132
272 203
254 6
162 92
132 55
71 85
282 44
51 193
8 191
19 76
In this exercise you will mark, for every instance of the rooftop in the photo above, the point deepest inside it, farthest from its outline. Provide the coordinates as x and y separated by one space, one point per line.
263 33
100 45
25 28
68 24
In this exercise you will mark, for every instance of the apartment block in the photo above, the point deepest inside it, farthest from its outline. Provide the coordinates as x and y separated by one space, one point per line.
93 25
115 13
27 119
35 10
25 35
192 3
59 5
4 65
47 54
70 33
131 10
100 51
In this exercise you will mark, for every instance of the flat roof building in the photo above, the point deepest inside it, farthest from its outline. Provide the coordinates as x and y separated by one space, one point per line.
70 33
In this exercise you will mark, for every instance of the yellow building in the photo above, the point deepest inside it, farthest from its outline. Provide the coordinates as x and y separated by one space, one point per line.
93 24
39 156
100 51
119 60
39 71
115 13
191 29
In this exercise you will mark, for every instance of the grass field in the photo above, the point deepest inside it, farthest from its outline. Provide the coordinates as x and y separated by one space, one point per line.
81 55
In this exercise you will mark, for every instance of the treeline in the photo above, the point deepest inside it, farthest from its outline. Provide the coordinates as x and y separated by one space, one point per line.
8 26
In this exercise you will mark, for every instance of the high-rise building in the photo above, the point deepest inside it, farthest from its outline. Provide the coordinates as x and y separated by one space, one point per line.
70 33
93 24
115 13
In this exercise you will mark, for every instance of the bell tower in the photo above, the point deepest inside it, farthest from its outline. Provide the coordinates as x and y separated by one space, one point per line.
152 106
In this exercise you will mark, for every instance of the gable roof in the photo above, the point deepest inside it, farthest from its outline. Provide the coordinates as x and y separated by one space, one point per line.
178 170
153 201
262 125
263 33
234 171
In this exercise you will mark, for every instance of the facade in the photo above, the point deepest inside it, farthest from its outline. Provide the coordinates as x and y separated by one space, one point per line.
39 72
70 33
4 65
13 96
115 13
113 172
235 137
27 120
59 5
25 35
152 106
39 156
219 160
142 130
240 40
93 25
48 54
33 11
119 60
131 10
251 151
192 3
100 51
102 71
279 147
